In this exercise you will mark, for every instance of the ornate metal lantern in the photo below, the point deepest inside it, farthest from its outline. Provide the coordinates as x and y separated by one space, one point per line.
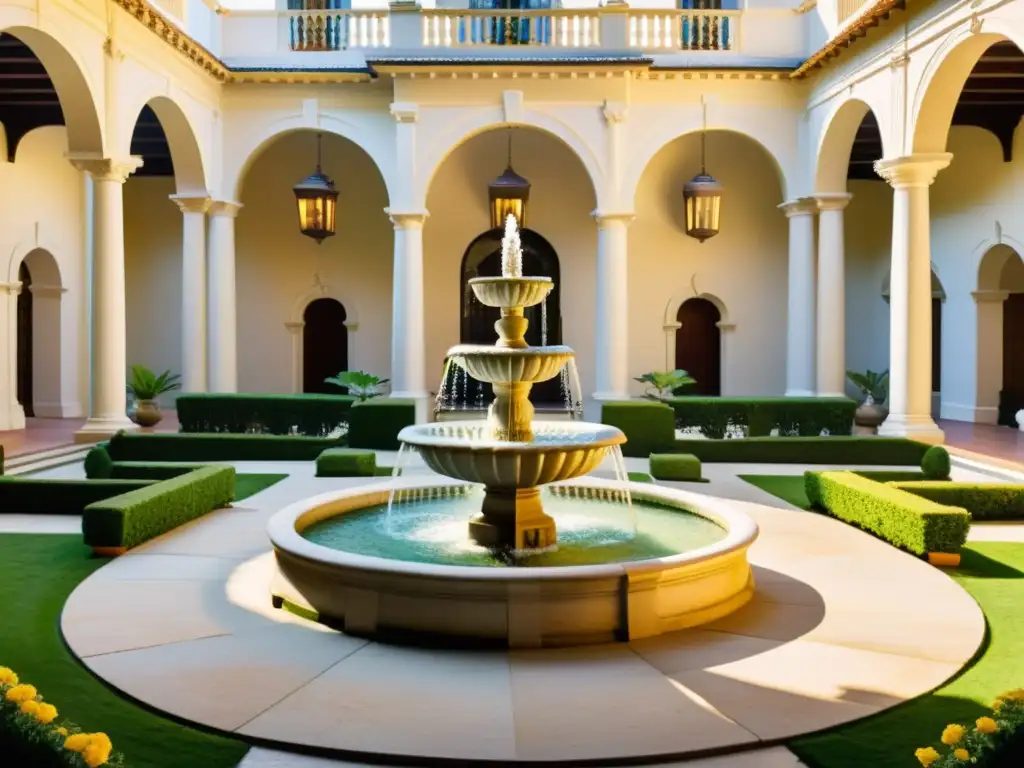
508 194
703 198
317 201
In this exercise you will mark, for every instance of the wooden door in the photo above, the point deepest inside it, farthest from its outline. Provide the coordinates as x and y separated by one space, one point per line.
1013 347
936 345
324 345
699 345
25 341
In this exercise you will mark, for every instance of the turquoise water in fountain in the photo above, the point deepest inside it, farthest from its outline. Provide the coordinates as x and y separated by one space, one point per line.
591 530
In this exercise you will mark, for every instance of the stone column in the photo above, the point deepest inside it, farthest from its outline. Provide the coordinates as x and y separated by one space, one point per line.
910 297
193 291
222 332
295 331
408 333
109 365
988 356
611 323
800 313
831 309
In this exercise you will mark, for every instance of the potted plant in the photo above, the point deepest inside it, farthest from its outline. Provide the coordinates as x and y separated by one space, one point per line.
360 384
145 387
661 384
875 389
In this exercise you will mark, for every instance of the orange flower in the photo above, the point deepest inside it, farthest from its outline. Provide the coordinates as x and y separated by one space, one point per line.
986 725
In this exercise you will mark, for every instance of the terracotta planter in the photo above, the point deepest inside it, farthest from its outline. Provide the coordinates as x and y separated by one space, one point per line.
146 413
870 414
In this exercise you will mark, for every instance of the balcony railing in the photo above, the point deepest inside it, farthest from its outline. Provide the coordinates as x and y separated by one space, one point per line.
338 30
683 30
555 28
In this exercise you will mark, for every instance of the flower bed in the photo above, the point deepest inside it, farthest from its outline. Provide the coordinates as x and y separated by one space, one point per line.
34 736
992 742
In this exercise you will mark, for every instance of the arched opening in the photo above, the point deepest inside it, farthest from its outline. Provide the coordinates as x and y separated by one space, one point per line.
25 340
324 345
1000 345
699 345
483 259
38 336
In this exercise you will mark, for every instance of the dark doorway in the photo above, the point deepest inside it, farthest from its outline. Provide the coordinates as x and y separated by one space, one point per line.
1013 355
699 345
324 345
936 345
25 340
483 259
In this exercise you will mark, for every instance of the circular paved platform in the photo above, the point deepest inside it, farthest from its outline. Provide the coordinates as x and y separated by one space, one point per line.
841 627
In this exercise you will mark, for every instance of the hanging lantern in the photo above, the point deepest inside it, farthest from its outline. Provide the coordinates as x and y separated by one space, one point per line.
508 194
317 200
703 198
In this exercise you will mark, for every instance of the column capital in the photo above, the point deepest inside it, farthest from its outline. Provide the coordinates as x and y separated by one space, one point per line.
912 170
406 219
227 208
832 201
295 326
983 297
191 203
405 111
615 112
801 206
606 218
12 288
116 169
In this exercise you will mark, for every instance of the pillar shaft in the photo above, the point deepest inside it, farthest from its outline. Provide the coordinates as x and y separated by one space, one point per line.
800 316
831 309
222 333
611 324
408 335
193 291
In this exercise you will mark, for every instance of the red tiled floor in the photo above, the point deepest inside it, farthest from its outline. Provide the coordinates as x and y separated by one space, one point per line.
999 442
47 434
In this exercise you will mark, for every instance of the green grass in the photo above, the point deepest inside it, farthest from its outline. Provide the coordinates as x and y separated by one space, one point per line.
787 487
250 485
37 573
640 477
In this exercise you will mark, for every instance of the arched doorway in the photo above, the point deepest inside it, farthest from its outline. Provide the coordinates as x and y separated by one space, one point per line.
25 340
324 345
699 345
483 259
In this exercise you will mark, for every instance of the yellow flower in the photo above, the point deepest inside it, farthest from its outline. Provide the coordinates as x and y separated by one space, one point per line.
98 750
102 739
986 725
62 731
45 713
20 693
77 743
30 707
961 754
1017 694
952 734
7 676
926 756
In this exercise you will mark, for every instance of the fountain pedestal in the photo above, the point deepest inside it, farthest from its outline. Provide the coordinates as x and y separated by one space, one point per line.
513 518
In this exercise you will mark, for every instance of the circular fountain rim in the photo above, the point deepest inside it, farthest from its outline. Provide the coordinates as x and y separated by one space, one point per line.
510 279
461 350
284 532
420 436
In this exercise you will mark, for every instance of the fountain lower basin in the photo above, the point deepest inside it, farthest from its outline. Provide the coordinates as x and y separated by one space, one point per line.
515 606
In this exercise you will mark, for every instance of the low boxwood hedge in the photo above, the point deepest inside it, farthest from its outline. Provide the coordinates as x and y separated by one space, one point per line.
675 466
178 447
30 496
313 415
375 423
649 426
346 462
758 416
910 522
132 518
894 451
994 501
99 465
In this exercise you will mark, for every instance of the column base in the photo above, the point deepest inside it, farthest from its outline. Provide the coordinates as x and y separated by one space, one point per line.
422 402
98 429
920 428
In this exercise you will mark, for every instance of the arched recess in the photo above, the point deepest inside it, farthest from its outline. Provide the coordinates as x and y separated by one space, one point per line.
835 145
483 259
699 345
1000 344
190 174
672 324
324 344
77 100
296 324
38 342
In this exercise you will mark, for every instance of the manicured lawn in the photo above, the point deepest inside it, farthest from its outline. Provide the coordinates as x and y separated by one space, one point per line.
249 485
787 487
640 477
37 573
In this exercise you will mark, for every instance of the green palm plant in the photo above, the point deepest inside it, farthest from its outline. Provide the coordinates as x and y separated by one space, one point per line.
360 384
661 384
146 385
871 384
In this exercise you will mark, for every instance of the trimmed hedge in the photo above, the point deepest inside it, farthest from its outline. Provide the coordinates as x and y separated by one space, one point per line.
758 416
30 496
907 521
649 426
891 475
994 501
375 423
935 463
98 463
894 451
181 446
675 466
135 517
346 462
312 415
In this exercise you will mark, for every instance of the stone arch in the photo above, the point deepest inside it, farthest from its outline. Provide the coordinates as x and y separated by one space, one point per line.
670 323
992 264
187 155
77 99
835 144
999 355
485 121
295 324
38 337
382 155
943 79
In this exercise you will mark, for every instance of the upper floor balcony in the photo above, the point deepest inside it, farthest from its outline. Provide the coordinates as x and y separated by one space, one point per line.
313 34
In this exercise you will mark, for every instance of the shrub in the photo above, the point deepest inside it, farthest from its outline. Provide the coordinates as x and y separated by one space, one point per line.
649 427
675 466
935 463
144 470
313 415
32 496
985 501
758 416
891 475
907 521
346 462
895 451
98 463
182 446
130 519
376 423
992 741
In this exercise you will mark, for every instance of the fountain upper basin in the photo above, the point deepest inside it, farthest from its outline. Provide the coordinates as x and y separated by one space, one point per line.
508 292
528 365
